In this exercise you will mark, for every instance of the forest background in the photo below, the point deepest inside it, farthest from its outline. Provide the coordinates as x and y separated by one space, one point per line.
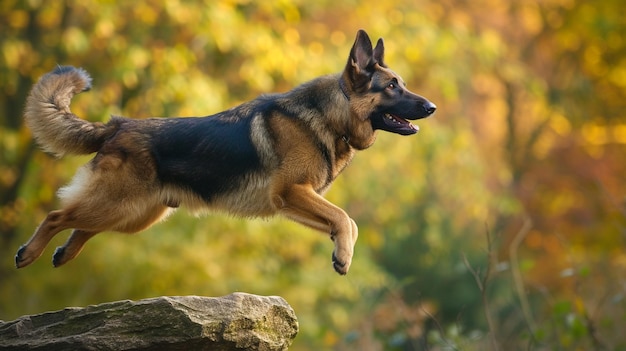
500 225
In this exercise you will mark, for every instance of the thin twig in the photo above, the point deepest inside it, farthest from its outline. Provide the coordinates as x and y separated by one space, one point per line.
481 282
442 332
517 275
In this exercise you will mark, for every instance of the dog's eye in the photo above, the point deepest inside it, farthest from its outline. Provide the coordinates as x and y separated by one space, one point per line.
391 86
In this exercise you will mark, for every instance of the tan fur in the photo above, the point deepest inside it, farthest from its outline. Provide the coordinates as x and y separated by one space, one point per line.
300 152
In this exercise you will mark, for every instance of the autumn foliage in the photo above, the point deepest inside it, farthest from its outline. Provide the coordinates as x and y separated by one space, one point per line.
501 225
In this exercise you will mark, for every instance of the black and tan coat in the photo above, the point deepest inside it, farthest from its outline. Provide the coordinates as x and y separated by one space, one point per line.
277 154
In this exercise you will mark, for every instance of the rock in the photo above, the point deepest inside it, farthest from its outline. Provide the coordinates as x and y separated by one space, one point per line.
237 321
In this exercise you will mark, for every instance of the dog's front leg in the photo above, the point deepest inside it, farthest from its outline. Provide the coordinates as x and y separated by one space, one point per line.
302 204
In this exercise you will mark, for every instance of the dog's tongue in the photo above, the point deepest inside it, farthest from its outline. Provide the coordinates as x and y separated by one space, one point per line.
400 125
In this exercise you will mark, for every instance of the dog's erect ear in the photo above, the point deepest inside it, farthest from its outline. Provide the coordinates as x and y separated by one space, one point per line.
360 66
361 55
379 53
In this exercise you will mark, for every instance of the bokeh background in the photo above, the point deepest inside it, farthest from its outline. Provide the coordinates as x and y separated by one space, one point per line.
499 226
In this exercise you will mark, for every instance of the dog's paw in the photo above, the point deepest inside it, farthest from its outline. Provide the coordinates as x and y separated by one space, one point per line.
340 267
20 260
24 256
57 258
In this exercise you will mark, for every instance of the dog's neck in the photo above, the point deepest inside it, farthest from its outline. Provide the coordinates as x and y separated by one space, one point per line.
345 137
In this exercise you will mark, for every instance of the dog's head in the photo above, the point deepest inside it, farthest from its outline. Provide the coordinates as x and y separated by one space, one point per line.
379 95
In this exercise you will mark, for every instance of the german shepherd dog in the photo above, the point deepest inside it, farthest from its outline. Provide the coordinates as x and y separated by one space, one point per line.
277 154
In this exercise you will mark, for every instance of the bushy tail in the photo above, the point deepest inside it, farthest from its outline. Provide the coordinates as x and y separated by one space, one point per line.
48 114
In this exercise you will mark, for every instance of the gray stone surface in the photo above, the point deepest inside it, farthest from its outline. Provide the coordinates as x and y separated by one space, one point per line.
238 321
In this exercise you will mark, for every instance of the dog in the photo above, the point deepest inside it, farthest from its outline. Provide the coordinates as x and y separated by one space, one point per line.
277 154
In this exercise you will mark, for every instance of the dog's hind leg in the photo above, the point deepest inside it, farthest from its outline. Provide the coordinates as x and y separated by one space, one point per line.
94 202
129 221
86 217
55 222
72 247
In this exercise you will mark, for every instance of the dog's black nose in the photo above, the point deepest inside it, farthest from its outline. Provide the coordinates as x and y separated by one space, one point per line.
430 107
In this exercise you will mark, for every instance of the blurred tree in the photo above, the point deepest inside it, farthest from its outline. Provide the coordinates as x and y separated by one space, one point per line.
529 127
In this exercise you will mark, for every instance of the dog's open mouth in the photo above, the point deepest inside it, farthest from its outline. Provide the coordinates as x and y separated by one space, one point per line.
398 125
